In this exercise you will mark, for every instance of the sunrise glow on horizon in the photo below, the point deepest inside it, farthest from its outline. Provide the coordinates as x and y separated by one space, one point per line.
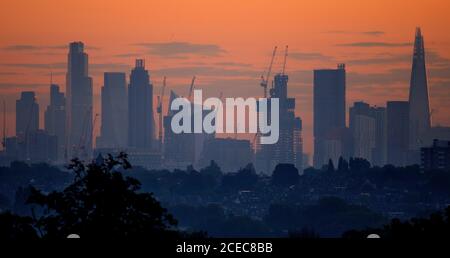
227 46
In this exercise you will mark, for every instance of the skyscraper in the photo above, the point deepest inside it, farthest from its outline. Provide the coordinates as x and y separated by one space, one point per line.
79 103
397 132
30 143
41 147
114 114
27 114
289 148
141 125
337 143
380 152
329 108
55 118
183 149
419 109
368 127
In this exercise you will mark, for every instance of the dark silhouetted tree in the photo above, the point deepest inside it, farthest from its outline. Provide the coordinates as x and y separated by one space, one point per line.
101 203
342 165
304 233
285 175
213 171
437 226
358 164
15 227
245 178
330 167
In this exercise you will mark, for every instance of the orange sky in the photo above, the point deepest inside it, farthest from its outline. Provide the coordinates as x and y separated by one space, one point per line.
227 45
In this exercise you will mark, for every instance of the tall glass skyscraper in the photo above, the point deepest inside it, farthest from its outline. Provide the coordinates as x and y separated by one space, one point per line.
79 103
27 114
329 109
55 118
114 127
141 129
419 107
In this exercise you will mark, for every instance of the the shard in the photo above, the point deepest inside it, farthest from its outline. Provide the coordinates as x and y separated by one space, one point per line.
419 108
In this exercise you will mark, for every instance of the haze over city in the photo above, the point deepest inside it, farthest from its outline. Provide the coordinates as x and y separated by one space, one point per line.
244 124
227 45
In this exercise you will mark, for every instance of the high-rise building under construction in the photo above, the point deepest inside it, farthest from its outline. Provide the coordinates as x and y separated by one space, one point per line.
289 148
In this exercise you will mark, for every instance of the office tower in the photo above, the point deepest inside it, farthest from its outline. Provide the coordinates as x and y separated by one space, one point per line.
289 147
437 156
184 149
419 110
337 143
27 114
114 113
329 108
55 119
41 147
436 132
368 127
397 132
37 147
141 129
230 154
305 160
11 151
379 152
79 103
30 144
27 123
364 137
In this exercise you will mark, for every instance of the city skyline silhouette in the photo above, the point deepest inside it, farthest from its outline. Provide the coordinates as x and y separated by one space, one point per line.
261 122
377 52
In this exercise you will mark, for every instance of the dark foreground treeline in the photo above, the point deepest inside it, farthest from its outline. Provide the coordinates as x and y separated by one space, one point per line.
100 203
104 198
436 226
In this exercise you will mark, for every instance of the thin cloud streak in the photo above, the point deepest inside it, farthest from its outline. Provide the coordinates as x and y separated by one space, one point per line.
177 49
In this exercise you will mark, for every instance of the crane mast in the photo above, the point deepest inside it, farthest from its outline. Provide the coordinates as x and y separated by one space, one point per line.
191 88
285 57
159 110
265 80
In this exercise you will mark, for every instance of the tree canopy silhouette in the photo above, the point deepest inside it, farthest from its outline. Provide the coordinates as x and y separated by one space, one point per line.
285 175
437 226
100 203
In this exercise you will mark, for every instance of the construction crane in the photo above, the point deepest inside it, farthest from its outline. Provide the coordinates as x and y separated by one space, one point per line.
85 131
191 89
255 142
432 112
265 80
285 57
90 137
159 110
